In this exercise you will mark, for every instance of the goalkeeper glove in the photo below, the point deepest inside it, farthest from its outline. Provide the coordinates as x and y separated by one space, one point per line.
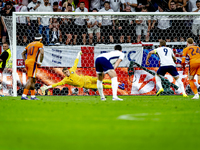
79 53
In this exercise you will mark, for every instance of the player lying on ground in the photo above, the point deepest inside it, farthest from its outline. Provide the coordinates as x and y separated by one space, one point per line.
194 64
33 51
167 64
76 80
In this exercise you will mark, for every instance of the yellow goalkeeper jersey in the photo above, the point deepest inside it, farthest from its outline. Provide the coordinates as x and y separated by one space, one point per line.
73 79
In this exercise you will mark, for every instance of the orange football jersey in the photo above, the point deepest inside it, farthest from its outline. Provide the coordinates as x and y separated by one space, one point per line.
193 52
33 50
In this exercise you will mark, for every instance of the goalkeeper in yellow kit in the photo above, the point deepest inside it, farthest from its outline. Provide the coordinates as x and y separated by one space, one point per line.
81 81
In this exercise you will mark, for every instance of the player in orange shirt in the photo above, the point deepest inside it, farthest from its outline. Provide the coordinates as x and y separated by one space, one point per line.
193 52
33 51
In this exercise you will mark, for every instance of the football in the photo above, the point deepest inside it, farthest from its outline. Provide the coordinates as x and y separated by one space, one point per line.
75 91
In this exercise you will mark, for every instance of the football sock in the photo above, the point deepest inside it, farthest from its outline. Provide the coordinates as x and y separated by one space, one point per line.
114 86
100 88
107 86
32 93
180 84
25 93
158 81
107 81
193 86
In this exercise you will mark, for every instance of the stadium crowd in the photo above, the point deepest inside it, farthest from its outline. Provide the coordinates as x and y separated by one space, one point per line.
89 31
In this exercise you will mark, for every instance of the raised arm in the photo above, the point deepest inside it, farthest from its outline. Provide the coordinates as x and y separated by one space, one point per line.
148 56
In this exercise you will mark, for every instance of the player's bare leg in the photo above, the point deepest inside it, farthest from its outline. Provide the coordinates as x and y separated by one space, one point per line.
100 86
113 77
193 86
180 85
84 39
98 37
33 89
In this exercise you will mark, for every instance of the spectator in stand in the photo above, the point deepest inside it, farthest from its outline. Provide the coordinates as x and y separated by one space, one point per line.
115 4
141 4
196 22
45 22
191 5
132 4
6 11
179 3
162 31
56 32
1 5
125 27
67 27
102 3
65 5
33 21
86 2
95 4
178 27
141 25
21 25
107 28
94 25
80 24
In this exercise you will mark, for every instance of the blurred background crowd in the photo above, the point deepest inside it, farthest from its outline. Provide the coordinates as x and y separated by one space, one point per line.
97 29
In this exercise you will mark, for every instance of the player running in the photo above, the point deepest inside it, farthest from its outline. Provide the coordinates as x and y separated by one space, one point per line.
194 64
104 64
76 80
33 51
167 64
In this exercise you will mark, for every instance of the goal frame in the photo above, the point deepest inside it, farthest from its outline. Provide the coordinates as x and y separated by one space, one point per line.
16 14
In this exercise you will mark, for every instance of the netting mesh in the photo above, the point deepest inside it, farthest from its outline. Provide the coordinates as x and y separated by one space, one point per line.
64 36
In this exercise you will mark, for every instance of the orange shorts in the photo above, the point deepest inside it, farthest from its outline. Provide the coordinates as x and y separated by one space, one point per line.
194 69
31 67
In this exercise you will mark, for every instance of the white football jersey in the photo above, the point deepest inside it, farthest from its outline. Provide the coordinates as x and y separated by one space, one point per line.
113 56
165 54
115 4
106 20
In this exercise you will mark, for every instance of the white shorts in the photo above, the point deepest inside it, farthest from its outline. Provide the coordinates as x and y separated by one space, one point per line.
195 28
90 30
139 29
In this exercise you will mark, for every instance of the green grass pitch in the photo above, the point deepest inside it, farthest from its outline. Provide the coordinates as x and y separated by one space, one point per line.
86 123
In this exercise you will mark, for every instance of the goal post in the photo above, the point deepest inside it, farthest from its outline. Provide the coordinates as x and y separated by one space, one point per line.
86 62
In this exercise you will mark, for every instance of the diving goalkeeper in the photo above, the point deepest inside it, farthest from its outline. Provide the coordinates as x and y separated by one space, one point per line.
81 81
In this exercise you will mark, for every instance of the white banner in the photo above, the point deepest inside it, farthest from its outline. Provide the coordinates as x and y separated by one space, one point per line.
64 56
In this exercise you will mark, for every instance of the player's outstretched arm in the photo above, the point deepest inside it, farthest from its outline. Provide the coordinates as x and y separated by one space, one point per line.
148 56
44 87
76 61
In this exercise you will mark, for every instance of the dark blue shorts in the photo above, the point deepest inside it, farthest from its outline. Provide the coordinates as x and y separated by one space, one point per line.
103 65
170 69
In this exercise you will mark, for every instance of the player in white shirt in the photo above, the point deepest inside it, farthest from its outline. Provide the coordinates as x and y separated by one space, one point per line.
167 64
106 63
80 24
115 4
107 23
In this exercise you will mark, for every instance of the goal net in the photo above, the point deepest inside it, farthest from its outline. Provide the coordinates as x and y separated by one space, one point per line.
65 34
